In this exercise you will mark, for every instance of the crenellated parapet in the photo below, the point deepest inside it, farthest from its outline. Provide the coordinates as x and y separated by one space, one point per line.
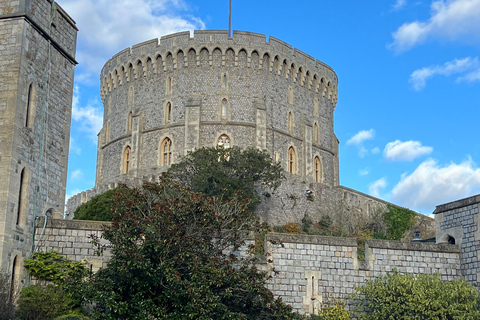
172 51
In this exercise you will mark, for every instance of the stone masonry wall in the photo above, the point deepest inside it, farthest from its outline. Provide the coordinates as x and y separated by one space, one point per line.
34 136
72 238
458 222
314 269
311 269
261 81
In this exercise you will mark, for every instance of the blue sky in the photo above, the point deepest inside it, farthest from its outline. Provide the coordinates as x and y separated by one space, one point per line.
408 107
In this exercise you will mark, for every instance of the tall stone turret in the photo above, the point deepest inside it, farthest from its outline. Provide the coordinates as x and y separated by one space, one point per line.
37 60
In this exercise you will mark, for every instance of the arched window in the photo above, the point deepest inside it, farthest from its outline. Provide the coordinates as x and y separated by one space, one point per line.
315 132
30 111
15 278
290 122
169 84
290 95
129 122
21 197
315 107
166 152
127 155
130 97
291 160
107 138
223 141
317 170
224 108
224 80
275 157
168 112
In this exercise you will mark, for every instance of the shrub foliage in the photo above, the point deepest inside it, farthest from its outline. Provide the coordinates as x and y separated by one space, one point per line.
406 296
227 172
99 208
170 259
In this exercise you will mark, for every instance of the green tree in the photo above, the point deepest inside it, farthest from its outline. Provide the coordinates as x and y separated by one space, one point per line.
227 172
170 259
405 296
99 208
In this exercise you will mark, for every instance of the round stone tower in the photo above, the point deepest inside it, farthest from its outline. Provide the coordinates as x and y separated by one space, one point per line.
162 99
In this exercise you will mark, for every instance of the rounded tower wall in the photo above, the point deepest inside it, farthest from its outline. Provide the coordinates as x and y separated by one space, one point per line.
192 90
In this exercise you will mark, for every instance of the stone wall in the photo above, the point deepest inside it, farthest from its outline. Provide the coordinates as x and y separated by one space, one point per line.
457 222
73 239
314 269
261 81
37 61
311 269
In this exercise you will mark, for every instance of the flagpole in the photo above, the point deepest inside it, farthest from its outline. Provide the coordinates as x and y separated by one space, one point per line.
230 21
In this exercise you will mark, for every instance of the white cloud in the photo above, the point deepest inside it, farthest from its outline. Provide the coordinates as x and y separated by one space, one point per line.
89 117
358 140
399 4
375 150
405 151
363 172
431 184
470 77
450 20
76 174
74 147
361 136
374 187
110 26
419 77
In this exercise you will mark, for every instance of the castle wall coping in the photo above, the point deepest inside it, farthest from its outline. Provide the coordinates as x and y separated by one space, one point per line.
311 239
73 224
145 43
280 42
165 41
176 35
457 204
222 32
412 246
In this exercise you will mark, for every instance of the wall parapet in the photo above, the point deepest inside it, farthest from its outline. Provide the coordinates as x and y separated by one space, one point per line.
413 246
311 239
457 204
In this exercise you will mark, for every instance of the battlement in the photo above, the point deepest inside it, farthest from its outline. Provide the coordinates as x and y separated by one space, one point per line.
215 38
150 57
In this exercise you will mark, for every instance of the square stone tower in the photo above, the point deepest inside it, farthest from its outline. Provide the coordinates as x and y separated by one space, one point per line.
37 60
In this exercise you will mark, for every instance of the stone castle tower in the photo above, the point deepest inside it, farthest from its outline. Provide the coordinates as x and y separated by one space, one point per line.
164 98
38 41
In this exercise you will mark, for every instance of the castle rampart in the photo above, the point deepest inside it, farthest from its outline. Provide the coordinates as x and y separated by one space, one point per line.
312 269
165 98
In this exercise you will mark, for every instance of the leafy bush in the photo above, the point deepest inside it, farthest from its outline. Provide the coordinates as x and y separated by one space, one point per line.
406 296
334 310
66 276
7 307
170 259
54 267
72 317
291 227
99 208
228 172
39 302
399 220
